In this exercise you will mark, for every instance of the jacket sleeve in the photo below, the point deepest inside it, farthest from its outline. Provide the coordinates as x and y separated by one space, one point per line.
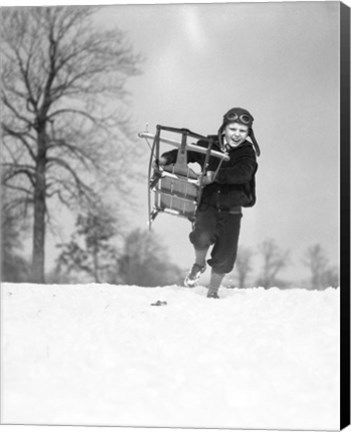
170 156
241 172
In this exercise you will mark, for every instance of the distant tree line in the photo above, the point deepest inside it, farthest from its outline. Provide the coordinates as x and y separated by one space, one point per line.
273 260
98 253
90 256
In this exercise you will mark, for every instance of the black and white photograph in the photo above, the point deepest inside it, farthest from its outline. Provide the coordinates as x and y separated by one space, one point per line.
175 215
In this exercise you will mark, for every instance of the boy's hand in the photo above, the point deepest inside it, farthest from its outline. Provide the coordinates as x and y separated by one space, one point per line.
157 172
209 178
159 162
162 161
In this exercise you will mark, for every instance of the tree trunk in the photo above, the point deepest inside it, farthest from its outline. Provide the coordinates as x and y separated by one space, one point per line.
38 256
96 263
242 278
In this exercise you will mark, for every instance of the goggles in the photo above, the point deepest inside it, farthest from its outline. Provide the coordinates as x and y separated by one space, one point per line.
232 116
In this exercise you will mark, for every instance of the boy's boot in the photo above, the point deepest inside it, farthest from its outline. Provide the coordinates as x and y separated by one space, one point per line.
197 269
215 283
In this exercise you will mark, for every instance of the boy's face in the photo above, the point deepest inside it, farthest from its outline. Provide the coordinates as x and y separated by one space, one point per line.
235 134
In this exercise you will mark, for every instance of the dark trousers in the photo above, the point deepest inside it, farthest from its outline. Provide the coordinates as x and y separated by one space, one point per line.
220 229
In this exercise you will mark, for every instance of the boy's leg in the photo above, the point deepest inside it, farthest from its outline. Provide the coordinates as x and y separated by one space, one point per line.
202 236
200 257
224 252
215 283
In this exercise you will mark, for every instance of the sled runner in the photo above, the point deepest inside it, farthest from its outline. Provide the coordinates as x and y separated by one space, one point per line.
176 188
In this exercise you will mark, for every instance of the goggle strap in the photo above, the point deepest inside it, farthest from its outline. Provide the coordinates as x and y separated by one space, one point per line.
254 142
220 139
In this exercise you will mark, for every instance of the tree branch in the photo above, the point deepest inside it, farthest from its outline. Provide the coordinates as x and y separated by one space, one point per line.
20 136
81 186
17 170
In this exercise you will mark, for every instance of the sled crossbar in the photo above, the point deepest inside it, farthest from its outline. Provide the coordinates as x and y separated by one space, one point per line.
177 189
189 146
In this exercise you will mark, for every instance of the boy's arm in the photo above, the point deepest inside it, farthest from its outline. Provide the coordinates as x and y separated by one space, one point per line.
167 158
241 172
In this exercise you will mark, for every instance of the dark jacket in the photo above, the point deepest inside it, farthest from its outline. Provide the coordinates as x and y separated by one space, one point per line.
234 185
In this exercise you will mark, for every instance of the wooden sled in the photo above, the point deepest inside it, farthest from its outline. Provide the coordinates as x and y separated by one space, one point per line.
176 188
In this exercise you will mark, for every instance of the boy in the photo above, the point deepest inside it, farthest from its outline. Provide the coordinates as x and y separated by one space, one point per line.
218 217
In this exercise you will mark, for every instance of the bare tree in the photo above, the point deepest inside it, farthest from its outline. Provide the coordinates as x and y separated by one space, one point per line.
322 276
243 265
274 260
331 277
64 127
90 251
14 265
145 261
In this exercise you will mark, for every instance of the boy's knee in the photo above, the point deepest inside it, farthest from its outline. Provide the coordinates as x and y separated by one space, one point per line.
220 268
222 261
200 240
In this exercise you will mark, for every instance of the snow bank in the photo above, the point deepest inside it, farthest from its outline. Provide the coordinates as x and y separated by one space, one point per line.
103 355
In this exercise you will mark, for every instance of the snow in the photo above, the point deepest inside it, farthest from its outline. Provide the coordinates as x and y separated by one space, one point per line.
103 355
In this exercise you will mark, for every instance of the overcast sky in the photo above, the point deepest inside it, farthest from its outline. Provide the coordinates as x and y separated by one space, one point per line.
278 60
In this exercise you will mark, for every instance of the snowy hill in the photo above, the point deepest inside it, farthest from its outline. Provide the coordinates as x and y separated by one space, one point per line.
104 355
